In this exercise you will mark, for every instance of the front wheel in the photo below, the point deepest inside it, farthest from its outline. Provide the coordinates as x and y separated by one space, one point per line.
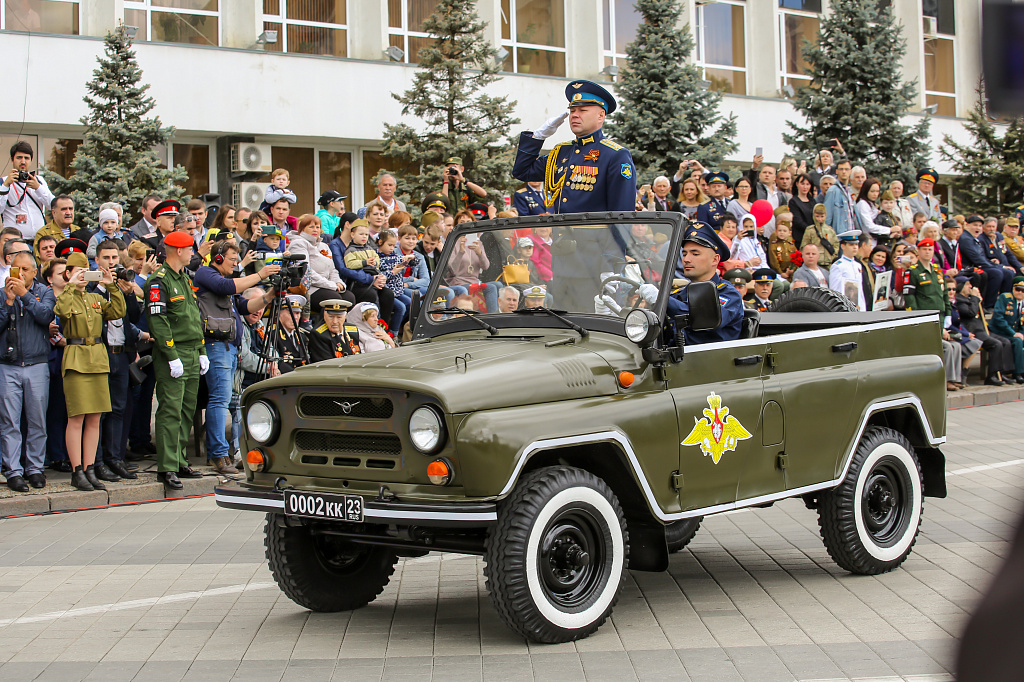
556 558
869 523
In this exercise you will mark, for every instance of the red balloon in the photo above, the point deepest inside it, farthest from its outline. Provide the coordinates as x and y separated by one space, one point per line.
763 211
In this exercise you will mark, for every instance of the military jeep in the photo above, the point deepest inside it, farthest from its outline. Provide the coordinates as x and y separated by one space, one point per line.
569 435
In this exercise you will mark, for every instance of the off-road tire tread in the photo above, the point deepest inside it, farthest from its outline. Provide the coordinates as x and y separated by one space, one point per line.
505 549
813 300
836 515
678 533
305 582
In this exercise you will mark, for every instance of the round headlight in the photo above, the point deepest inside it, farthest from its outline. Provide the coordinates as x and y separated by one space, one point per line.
426 429
641 326
261 421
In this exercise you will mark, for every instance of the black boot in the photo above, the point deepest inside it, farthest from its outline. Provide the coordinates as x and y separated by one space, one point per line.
90 475
79 479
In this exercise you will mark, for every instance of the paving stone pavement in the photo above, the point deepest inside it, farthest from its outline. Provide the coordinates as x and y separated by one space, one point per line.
181 591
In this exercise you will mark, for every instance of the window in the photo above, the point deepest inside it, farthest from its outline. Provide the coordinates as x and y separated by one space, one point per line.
405 26
308 26
56 154
939 56
798 24
533 32
336 173
721 45
41 16
193 22
621 21
195 159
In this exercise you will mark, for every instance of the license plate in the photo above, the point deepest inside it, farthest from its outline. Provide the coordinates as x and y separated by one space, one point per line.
323 506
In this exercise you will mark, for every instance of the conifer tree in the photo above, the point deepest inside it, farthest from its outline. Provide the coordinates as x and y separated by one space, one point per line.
458 119
858 95
116 161
990 169
664 114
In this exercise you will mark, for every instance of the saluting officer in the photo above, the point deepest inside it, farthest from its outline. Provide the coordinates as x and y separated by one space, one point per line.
922 201
291 339
713 210
590 173
179 356
845 275
702 251
529 200
333 339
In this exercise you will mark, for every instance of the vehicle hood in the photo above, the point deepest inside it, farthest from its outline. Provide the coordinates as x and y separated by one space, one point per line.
472 373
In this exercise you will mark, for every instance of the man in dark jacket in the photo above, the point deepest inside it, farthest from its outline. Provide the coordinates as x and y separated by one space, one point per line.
972 251
26 310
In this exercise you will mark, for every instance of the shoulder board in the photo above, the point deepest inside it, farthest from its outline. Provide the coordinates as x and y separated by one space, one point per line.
912 195
520 191
160 273
322 328
722 285
351 328
614 145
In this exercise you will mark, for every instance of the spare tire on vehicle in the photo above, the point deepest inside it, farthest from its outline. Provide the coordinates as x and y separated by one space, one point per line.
813 300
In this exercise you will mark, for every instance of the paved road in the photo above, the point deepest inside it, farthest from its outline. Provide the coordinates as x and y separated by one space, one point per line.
181 591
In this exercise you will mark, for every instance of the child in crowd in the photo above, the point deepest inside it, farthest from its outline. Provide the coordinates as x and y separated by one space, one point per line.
278 189
523 251
747 248
359 255
430 247
393 264
823 236
415 274
272 240
110 228
887 214
781 248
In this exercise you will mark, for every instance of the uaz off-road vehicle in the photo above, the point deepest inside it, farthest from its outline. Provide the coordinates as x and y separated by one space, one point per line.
576 436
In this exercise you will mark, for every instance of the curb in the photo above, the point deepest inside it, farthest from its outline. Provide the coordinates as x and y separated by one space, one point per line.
984 395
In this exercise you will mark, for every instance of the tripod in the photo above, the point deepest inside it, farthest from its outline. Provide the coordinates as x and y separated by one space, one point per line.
269 353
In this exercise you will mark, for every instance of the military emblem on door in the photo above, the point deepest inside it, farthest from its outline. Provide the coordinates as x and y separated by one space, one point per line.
717 432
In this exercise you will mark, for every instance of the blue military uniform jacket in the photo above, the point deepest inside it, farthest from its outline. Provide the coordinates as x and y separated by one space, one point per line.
528 201
591 173
1007 316
998 251
711 212
732 313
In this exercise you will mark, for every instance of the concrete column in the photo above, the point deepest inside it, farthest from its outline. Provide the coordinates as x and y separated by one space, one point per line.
98 17
584 23
762 49
967 62
908 15
241 21
489 12
688 20
368 29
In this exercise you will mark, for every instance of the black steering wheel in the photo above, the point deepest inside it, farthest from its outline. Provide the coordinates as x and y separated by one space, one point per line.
633 285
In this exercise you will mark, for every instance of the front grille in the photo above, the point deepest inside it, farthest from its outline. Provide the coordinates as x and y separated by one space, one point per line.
349 443
359 407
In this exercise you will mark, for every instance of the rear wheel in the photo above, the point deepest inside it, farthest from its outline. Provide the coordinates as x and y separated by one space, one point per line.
813 300
556 558
679 533
325 572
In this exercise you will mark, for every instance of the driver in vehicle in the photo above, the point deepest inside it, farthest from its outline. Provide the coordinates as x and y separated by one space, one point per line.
702 250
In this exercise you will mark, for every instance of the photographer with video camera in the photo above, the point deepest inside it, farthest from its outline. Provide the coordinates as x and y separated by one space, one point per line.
221 310
452 178
24 195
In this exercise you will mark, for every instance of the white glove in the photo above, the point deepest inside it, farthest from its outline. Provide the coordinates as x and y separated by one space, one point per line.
204 364
649 293
177 369
549 128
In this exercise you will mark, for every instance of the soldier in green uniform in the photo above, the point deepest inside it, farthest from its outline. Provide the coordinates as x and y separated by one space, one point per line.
179 356
924 288
1008 322
333 339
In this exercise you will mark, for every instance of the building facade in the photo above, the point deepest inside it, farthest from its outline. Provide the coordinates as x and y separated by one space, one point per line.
308 82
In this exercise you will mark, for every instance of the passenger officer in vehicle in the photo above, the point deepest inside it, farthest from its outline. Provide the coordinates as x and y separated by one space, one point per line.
702 251
764 279
333 339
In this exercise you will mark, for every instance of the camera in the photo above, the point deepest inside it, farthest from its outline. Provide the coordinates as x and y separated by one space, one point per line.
23 176
452 170
293 268
124 274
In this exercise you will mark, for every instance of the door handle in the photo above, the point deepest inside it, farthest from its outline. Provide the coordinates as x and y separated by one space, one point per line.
748 360
844 347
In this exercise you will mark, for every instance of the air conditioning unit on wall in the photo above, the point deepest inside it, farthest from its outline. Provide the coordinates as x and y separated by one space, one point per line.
931 26
249 157
248 194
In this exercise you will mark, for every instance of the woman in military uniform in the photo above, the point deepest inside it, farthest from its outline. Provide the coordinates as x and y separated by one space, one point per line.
85 366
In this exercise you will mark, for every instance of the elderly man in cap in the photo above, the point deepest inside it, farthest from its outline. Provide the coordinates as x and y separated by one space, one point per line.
534 297
713 210
179 356
332 339
764 280
386 187
973 252
292 341
702 251
590 173
1008 322
923 201
846 275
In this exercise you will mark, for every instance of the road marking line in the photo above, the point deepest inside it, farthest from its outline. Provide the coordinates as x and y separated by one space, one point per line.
136 603
985 467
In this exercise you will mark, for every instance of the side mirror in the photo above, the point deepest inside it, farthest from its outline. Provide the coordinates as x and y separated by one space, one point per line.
414 309
705 308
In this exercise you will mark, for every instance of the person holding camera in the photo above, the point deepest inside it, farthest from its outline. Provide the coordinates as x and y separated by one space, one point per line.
85 366
24 195
452 179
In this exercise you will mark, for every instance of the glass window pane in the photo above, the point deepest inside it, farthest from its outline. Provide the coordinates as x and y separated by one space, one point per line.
805 5
272 7
947 105
299 163
540 22
184 28
41 16
318 40
419 12
394 13
799 29
137 18
944 12
279 45
506 17
336 173
606 8
204 5
195 158
541 62
723 35
58 153
325 11
627 20
723 80
938 65
415 44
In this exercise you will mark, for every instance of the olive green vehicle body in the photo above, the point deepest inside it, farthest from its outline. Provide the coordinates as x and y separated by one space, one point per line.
804 389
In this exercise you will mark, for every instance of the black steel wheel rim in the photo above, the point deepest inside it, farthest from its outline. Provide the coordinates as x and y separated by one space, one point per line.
887 501
337 554
572 557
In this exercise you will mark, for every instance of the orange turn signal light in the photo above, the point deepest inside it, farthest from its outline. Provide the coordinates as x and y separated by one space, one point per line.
626 379
439 472
255 460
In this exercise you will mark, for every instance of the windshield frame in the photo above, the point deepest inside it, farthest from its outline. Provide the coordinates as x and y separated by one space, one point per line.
426 327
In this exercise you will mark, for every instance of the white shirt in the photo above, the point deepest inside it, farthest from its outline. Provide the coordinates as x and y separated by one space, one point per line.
819 275
25 208
748 248
115 328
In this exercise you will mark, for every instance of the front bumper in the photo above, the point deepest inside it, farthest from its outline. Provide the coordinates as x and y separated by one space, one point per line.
466 515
